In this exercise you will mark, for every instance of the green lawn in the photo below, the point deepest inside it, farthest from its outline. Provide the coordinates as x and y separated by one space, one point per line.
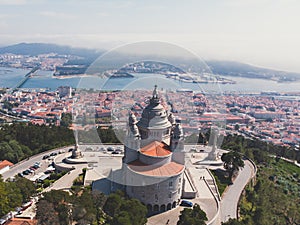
222 181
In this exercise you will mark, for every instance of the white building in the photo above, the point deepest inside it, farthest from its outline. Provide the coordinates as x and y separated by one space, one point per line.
5 166
153 164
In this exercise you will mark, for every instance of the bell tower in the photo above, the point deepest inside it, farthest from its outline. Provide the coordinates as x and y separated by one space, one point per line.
132 141
177 143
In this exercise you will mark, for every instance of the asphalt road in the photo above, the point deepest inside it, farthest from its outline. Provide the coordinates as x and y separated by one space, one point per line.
231 197
25 164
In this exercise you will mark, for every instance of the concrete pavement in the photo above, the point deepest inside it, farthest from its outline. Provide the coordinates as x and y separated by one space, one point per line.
66 181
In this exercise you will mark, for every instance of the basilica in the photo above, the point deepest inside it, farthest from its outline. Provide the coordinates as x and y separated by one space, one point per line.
153 163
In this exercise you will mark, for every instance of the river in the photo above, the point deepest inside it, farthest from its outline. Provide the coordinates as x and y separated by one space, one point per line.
11 76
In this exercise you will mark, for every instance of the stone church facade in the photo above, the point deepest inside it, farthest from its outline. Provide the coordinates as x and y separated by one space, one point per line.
153 163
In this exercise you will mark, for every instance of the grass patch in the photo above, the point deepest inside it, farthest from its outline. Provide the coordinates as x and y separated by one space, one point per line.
222 181
79 181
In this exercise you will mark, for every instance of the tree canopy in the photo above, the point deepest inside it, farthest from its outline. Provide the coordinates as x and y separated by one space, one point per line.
195 216
14 193
125 211
232 162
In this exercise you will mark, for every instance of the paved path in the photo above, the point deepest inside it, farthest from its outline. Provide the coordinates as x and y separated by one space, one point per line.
66 181
25 164
231 197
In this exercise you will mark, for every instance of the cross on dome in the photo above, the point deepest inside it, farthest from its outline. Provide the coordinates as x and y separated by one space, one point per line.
155 99
155 93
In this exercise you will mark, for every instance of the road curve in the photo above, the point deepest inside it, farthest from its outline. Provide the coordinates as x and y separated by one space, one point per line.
231 197
25 164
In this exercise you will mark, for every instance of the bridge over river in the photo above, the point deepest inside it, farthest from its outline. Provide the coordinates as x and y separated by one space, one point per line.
24 80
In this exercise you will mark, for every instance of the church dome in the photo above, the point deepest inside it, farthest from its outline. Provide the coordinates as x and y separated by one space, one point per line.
154 115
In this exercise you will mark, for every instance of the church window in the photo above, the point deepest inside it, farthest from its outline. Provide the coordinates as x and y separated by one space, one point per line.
170 195
170 183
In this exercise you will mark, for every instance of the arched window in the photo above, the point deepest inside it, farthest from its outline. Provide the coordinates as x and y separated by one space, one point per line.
169 206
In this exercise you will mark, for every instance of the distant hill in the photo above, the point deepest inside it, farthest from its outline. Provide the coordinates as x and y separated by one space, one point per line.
42 48
225 68
231 68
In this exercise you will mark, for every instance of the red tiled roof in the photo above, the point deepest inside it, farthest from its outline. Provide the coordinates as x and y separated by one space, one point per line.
21 221
156 148
5 163
168 169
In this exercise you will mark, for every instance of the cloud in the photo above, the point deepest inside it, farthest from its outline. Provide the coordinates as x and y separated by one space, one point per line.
3 24
8 16
102 14
21 2
58 15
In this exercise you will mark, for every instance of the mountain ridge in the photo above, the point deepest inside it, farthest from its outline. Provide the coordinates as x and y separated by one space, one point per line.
220 67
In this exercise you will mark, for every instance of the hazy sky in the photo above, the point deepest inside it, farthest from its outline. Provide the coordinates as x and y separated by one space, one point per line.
260 32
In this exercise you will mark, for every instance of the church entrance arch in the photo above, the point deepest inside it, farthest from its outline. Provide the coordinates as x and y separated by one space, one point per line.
149 207
169 206
174 205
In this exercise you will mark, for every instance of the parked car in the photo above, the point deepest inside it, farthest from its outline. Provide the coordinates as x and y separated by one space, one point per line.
116 152
119 150
53 154
186 203
30 170
48 171
38 164
110 149
26 205
21 174
46 156
25 172
35 167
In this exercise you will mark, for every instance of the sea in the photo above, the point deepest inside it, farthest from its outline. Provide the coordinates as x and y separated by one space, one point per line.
10 77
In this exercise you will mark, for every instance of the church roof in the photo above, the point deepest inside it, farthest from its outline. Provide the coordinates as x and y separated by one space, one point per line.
156 148
154 115
169 169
